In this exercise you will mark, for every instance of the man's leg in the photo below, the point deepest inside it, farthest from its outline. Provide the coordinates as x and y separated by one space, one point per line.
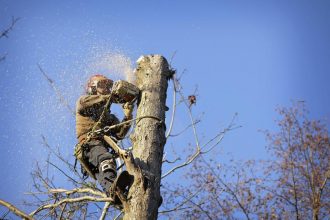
104 163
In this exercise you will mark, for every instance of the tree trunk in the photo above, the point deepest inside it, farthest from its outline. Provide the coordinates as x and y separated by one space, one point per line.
148 139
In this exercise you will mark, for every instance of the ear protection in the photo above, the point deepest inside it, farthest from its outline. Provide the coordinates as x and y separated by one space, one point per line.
91 90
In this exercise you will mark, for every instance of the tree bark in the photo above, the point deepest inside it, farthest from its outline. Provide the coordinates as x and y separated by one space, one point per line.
148 139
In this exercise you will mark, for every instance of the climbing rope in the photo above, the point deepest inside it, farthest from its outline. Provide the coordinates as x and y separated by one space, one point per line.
94 132
105 109
106 129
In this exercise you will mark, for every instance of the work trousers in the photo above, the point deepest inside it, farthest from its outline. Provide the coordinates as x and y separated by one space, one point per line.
102 162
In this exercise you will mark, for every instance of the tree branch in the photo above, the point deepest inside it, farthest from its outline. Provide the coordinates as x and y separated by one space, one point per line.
198 150
231 192
6 31
187 199
57 91
173 107
15 210
105 210
73 200
78 190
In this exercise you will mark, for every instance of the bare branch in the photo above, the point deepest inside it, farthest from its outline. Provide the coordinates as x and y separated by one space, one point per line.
327 176
60 157
174 210
117 216
57 91
199 152
15 210
73 180
167 161
219 137
5 214
186 128
228 188
6 31
63 209
187 199
173 106
73 200
193 123
195 135
78 190
105 210
172 57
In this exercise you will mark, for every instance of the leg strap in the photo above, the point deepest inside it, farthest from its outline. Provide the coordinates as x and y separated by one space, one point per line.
108 165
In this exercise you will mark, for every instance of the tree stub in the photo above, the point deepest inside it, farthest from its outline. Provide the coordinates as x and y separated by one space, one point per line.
148 139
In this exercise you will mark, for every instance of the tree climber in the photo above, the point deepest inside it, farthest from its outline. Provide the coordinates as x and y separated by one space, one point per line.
92 114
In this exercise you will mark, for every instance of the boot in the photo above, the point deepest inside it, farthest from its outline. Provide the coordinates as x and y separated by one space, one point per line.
121 185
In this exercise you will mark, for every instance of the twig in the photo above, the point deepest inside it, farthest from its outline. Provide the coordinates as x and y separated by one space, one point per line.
192 123
117 216
198 148
62 212
187 199
105 210
173 106
57 91
191 159
5 32
327 176
59 156
5 214
174 210
172 57
73 180
167 161
221 135
232 193
199 152
186 128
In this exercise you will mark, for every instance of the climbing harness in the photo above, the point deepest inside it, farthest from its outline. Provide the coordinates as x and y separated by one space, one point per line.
80 148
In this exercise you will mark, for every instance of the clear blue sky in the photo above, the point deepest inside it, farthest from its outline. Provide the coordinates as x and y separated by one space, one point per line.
245 56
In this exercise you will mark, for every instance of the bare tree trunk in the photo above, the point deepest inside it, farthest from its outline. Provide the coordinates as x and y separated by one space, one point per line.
148 139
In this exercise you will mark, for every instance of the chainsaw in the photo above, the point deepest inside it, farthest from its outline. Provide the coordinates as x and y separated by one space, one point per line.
123 91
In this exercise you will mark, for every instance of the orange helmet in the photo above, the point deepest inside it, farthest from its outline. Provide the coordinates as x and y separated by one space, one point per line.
98 82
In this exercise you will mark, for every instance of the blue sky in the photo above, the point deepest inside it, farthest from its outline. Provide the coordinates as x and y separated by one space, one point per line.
244 56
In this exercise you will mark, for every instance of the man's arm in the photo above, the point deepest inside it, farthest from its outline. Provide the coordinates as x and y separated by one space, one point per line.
87 103
121 131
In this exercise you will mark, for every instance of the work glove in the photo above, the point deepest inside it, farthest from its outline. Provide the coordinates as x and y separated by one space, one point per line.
128 110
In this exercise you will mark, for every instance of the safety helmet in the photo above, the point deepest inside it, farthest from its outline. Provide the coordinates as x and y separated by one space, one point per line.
98 82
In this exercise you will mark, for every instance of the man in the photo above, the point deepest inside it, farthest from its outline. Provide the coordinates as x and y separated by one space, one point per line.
93 113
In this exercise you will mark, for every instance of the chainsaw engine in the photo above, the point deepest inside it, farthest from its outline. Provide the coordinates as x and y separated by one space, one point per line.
123 91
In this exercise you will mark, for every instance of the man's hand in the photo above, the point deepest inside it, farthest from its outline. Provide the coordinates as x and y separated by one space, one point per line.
128 110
